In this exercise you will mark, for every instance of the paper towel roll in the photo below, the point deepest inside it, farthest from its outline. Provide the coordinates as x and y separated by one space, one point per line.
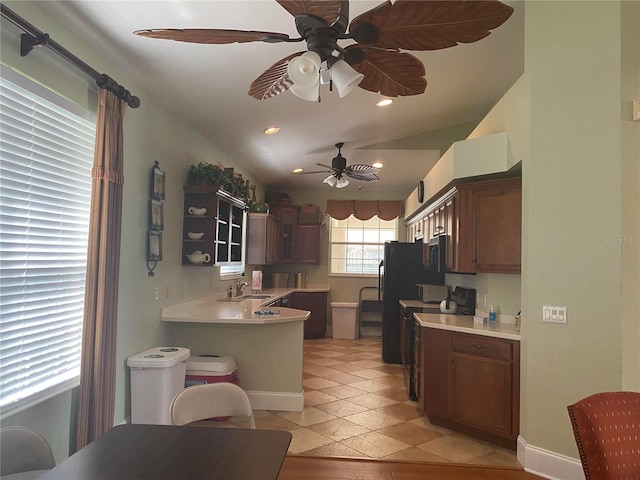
256 281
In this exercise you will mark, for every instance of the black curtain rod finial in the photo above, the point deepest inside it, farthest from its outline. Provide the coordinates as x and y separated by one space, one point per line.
108 83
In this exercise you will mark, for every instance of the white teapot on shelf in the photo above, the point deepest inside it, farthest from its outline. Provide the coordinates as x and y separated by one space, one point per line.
197 257
197 211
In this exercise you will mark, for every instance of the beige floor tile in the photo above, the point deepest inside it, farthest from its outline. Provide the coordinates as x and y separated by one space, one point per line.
369 373
346 367
456 448
329 353
274 422
399 394
336 449
323 361
371 400
308 416
342 408
344 378
373 420
409 433
424 422
392 381
414 454
339 429
375 444
317 397
372 386
318 383
319 371
401 410
370 363
304 439
343 391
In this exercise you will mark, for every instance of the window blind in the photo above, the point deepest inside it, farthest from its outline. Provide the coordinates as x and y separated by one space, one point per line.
46 156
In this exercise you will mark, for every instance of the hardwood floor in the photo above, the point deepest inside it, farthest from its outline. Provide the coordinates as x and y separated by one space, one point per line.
332 468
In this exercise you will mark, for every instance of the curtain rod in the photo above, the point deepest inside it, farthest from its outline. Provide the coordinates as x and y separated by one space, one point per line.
35 38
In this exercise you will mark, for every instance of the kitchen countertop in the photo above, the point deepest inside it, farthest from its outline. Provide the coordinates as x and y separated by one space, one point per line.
214 309
465 324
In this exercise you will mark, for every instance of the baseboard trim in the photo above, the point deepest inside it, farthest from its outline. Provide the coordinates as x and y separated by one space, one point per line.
279 401
548 464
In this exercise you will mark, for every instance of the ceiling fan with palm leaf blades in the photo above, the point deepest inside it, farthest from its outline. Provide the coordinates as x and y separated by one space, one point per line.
339 169
375 62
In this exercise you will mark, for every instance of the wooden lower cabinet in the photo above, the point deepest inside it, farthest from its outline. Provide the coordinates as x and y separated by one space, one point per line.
316 325
471 384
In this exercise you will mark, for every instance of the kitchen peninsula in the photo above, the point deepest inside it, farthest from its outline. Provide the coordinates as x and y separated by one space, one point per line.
266 346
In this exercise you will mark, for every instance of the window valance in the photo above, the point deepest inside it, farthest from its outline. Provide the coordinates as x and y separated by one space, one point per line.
365 209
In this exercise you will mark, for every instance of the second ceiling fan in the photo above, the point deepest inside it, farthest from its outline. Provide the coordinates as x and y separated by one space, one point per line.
339 171
375 61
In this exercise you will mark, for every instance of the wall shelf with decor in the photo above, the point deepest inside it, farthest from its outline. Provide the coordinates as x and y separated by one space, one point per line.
156 218
214 224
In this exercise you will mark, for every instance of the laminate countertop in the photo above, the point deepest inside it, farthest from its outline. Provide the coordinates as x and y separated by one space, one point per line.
239 310
465 324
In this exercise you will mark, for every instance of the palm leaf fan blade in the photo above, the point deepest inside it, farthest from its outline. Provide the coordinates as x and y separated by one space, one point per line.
328 10
211 36
273 81
391 73
433 25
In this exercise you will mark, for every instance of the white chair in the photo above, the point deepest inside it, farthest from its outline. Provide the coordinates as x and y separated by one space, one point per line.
210 400
23 450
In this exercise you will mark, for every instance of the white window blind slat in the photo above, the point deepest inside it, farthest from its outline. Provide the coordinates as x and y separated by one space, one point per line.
46 157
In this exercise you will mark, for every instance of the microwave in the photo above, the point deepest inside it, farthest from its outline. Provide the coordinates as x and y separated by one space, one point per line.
437 253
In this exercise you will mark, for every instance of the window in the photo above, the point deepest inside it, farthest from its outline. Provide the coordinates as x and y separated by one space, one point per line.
357 246
46 156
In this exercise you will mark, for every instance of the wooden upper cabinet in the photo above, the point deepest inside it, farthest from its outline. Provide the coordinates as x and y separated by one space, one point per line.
483 225
308 243
288 218
262 239
498 226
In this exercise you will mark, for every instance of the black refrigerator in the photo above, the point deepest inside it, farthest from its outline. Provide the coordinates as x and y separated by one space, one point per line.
398 276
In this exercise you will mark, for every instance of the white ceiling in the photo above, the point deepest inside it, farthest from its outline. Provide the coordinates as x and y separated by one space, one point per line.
207 86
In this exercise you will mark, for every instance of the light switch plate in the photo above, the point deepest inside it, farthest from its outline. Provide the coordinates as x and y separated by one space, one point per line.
551 314
636 111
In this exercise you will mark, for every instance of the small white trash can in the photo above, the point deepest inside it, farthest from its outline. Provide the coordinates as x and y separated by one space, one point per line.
343 318
157 375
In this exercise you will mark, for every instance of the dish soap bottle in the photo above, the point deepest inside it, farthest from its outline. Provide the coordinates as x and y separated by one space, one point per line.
492 314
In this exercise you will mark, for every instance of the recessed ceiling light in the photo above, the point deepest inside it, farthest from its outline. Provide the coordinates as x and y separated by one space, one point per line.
384 102
378 165
271 130
297 170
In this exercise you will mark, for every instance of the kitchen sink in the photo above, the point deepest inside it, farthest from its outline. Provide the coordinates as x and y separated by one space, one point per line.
253 296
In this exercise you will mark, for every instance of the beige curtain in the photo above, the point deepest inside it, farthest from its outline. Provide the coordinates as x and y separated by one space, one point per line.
97 376
365 209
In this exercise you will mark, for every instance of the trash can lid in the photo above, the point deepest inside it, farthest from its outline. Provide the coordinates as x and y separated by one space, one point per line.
159 357
210 364
344 304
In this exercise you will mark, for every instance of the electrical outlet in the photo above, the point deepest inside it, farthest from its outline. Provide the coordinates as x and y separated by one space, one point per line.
551 314
156 293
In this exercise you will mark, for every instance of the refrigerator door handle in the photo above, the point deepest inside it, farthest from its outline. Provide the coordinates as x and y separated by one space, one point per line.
380 280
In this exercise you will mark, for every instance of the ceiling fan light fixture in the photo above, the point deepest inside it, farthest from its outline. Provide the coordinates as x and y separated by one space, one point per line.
342 182
377 164
330 180
304 70
309 94
345 77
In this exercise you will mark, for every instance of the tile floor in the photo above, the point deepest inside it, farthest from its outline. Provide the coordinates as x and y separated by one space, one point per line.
356 406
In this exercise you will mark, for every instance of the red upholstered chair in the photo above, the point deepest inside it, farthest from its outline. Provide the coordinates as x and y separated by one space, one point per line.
607 431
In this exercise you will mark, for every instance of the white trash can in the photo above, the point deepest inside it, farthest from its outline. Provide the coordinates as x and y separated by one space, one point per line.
157 375
343 318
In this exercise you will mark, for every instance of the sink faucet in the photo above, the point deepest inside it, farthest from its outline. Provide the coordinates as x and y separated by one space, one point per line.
240 288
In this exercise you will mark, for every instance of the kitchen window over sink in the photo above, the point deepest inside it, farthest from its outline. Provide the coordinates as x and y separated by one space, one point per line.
356 247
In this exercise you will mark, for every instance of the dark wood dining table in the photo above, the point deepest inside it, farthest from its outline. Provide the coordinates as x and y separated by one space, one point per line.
157 452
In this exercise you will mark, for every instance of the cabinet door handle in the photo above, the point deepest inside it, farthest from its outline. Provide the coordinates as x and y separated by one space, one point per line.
478 346
451 360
